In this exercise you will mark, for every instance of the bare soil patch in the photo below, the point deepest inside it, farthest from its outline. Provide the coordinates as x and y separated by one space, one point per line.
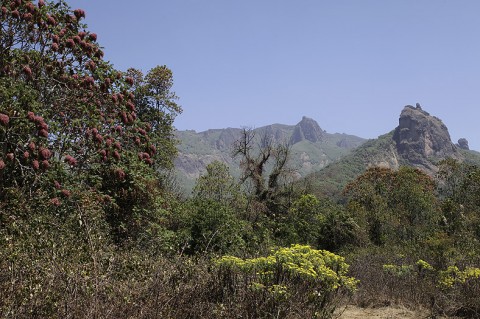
391 312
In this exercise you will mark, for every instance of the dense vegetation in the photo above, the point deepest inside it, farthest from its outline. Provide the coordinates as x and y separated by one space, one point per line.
91 224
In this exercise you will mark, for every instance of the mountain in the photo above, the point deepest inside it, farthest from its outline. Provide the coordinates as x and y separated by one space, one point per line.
420 140
311 148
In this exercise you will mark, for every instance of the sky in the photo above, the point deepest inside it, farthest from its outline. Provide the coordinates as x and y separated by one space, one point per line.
351 65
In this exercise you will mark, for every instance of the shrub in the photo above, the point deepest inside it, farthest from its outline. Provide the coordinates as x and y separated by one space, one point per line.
292 281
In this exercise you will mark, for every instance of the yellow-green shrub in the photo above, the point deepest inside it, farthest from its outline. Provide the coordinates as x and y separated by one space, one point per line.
296 275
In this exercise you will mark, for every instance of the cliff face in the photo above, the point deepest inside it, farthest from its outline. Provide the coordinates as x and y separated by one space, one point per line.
421 138
307 129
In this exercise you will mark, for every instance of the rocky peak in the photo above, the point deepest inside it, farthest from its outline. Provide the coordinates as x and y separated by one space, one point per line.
420 136
307 129
463 144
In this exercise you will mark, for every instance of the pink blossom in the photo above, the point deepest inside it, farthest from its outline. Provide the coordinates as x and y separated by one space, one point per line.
27 16
43 133
2 164
45 153
143 155
51 20
120 174
79 13
124 117
99 54
153 149
30 7
27 70
42 125
45 164
35 165
31 116
131 106
91 65
4 119
129 80
55 201
89 80
38 119
98 138
70 160
70 43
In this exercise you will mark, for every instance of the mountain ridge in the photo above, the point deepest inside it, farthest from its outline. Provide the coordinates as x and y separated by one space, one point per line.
311 147
420 140
328 161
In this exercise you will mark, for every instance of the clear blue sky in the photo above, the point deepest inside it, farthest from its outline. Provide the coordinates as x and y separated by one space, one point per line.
351 65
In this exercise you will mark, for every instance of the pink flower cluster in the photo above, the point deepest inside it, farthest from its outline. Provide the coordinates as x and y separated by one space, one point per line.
70 160
4 119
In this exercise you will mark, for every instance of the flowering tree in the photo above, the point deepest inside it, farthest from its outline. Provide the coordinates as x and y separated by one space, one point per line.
68 119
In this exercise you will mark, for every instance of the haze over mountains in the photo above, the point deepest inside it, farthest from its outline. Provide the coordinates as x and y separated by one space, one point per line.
311 148
329 161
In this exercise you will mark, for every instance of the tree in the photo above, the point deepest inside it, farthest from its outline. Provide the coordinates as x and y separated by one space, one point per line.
218 185
254 159
155 104
214 214
393 205
69 121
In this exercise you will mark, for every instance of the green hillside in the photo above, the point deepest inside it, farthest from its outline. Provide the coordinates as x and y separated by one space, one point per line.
197 150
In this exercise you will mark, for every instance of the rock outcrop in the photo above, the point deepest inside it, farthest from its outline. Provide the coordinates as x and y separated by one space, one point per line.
307 129
422 139
463 144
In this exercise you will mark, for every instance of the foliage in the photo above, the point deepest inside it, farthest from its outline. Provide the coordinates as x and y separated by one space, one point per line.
394 205
90 225
214 227
268 187
218 185
317 277
70 122
302 224
320 223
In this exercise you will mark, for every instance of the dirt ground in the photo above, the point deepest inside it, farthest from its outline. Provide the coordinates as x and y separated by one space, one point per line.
394 312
